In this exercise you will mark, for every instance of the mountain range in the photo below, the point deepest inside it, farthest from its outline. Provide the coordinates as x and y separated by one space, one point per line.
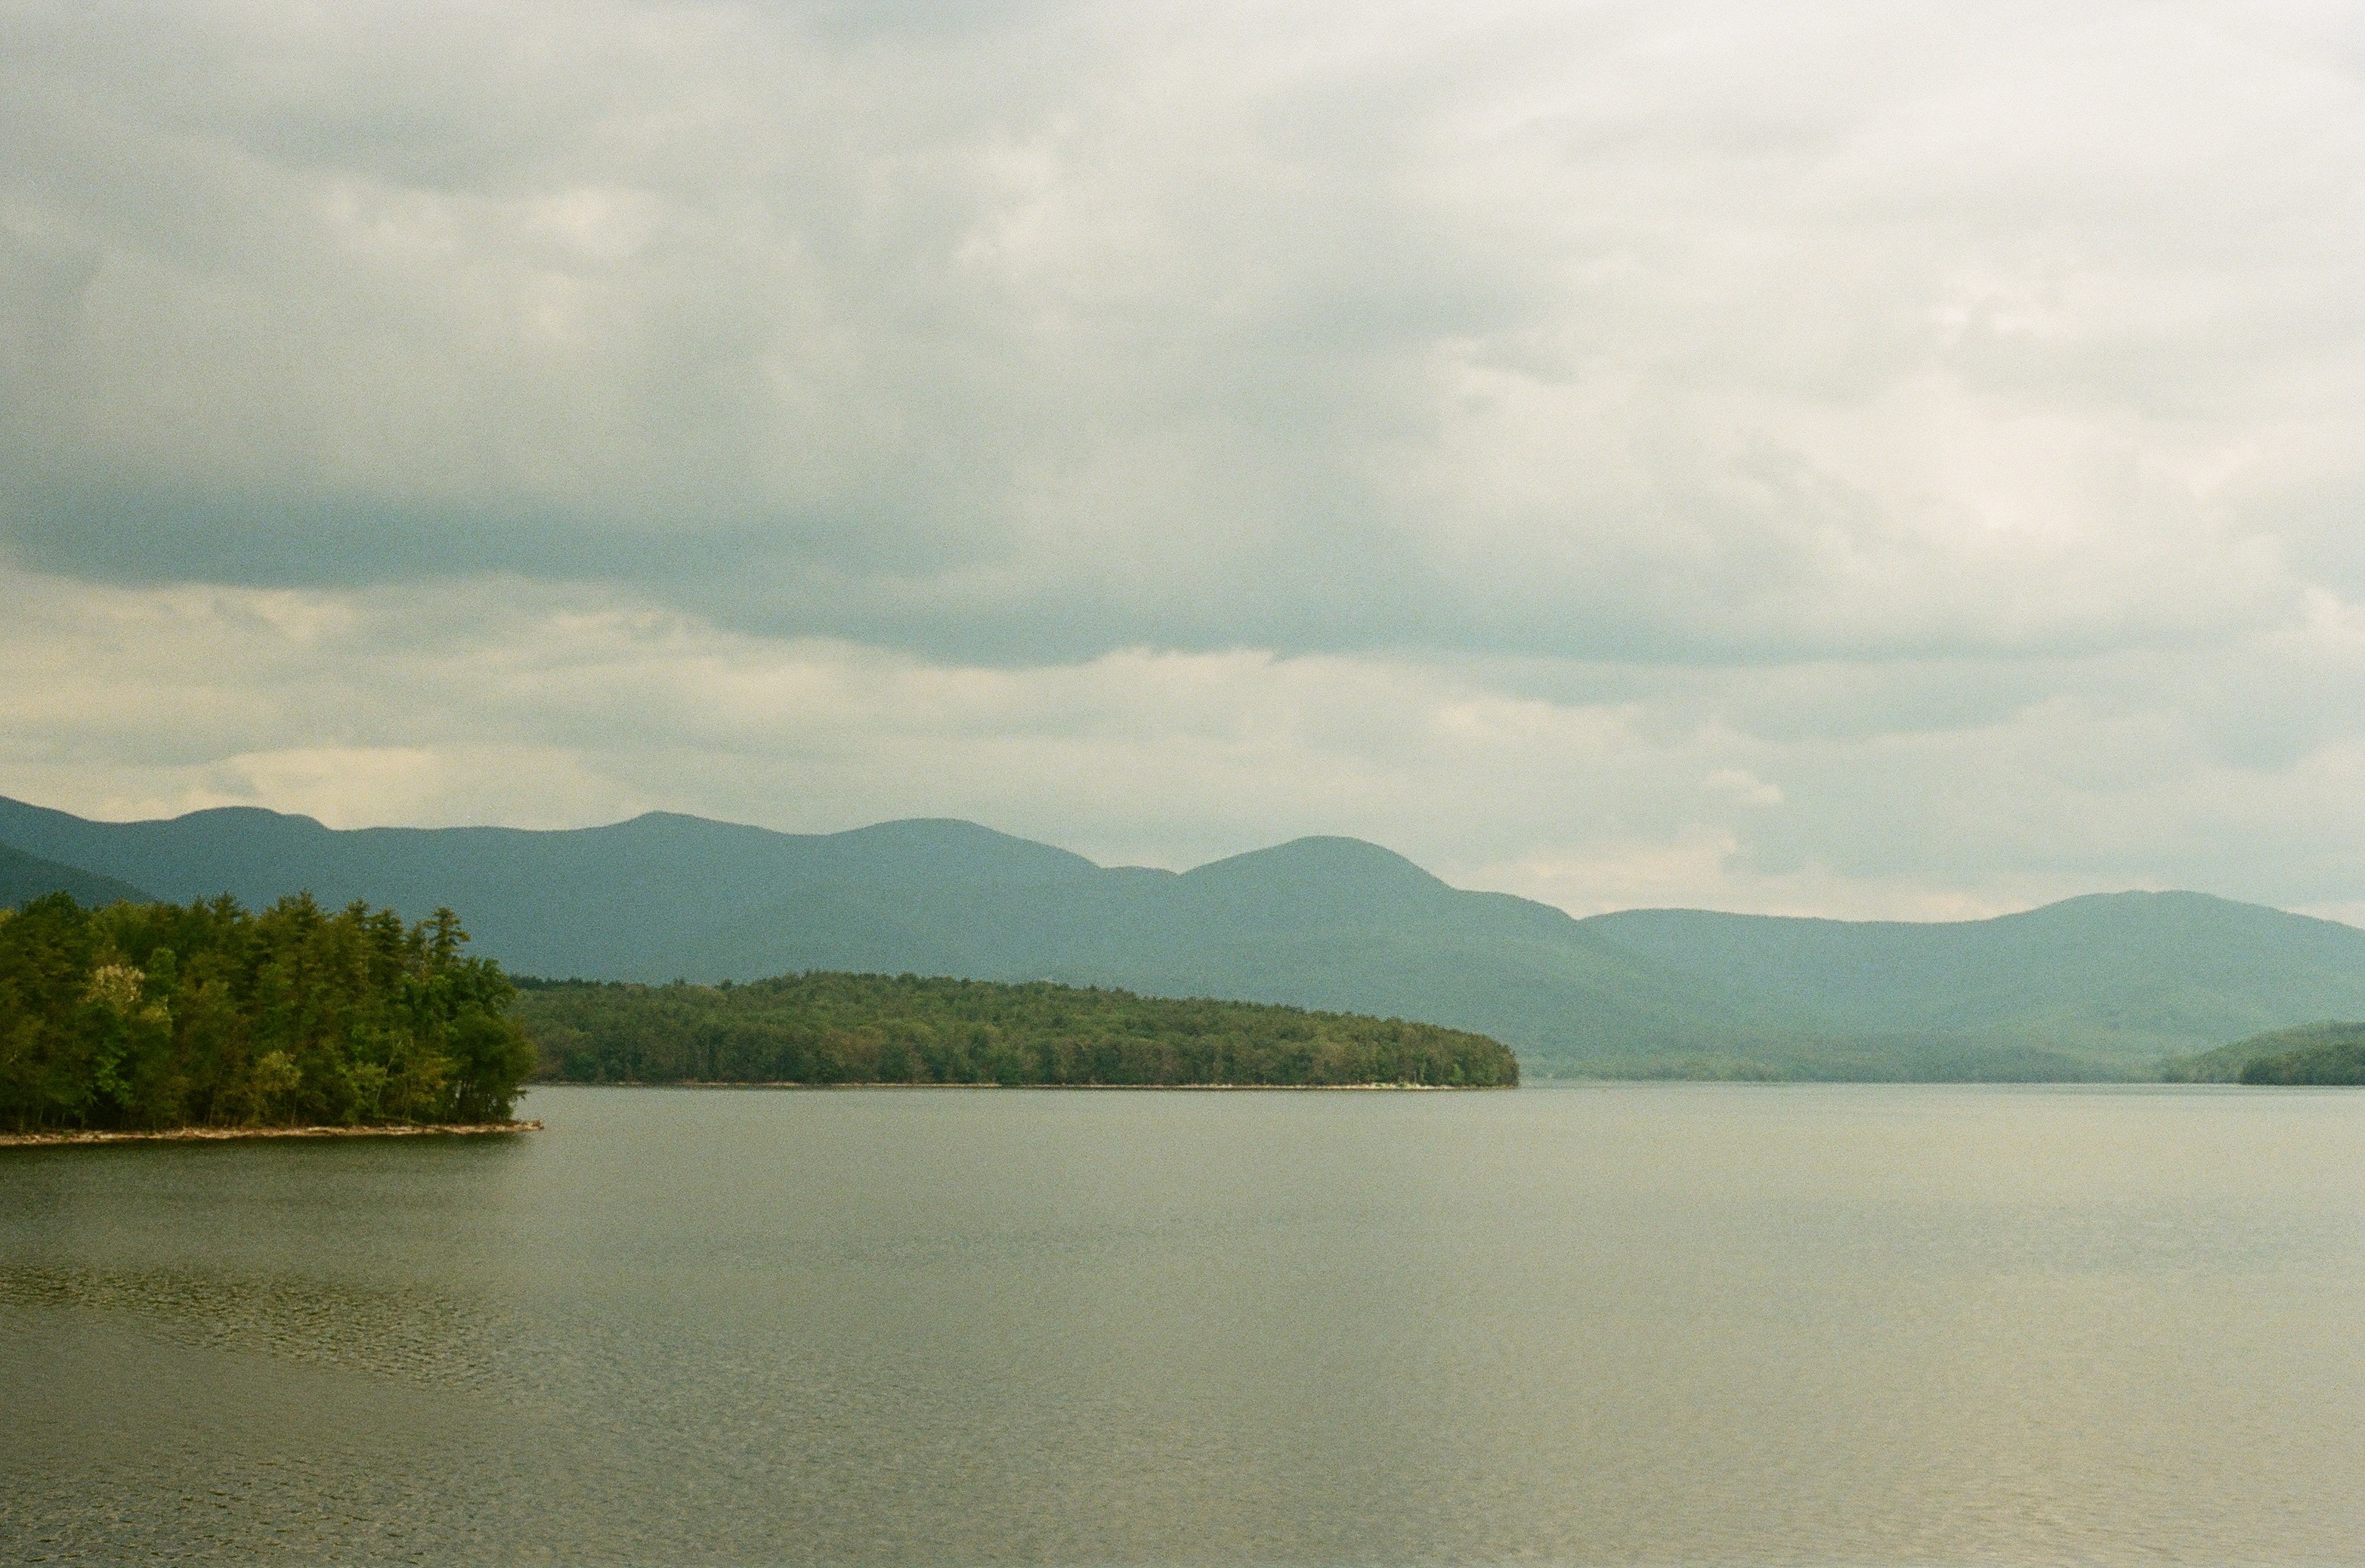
2104 986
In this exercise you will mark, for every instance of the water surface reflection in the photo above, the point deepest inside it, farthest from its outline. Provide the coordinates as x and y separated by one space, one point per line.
1631 1324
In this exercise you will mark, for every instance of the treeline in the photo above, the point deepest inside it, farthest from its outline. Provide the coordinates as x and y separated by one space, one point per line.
2327 1053
849 1028
2333 1053
154 1015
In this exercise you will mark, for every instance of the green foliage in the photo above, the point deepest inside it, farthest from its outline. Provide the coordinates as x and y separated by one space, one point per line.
2343 1063
2325 1052
2311 1053
148 1015
825 1027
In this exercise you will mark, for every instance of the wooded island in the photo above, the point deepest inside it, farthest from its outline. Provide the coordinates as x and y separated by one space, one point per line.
152 1016
822 1029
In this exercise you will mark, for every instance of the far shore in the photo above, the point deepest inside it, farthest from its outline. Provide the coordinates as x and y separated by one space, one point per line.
222 1134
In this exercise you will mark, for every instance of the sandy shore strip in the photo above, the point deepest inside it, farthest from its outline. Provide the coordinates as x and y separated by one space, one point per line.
218 1135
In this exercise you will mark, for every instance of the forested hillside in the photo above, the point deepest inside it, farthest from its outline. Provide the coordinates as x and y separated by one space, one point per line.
2335 1055
852 1028
24 877
157 1015
2327 1053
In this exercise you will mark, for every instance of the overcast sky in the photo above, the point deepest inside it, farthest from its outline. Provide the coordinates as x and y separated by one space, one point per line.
1849 459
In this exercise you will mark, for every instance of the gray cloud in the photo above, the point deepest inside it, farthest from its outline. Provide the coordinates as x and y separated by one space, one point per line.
1877 456
1648 331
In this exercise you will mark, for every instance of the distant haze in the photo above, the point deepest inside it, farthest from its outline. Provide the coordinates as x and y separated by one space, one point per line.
1827 458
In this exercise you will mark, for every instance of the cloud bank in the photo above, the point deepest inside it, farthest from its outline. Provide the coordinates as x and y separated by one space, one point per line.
1832 457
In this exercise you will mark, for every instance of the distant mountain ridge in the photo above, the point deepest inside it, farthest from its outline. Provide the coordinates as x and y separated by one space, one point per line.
2103 986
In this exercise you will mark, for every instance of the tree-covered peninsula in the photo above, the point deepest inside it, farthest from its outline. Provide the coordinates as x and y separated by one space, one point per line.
2329 1053
822 1029
150 1016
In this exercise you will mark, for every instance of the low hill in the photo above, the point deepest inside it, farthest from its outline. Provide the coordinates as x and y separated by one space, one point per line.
2311 1053
2100 987
24 877
845 1028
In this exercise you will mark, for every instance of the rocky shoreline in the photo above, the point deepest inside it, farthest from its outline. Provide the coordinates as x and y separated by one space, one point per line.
221 1135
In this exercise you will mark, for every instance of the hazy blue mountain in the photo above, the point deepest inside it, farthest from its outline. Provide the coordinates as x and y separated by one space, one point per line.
2135 972
2102 986
24 877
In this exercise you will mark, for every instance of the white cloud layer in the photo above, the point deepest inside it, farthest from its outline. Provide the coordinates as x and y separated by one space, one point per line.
1840 457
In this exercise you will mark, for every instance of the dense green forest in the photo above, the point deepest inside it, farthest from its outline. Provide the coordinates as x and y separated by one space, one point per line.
2311 1053
2325 1061
154 1015
854 1028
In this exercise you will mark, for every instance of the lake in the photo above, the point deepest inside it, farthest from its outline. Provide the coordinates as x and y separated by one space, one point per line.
1628 1324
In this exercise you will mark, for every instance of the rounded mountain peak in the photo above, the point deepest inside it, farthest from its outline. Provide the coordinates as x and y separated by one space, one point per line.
1321 860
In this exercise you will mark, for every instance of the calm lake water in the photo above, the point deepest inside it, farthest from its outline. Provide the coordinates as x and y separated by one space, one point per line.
1631 1324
